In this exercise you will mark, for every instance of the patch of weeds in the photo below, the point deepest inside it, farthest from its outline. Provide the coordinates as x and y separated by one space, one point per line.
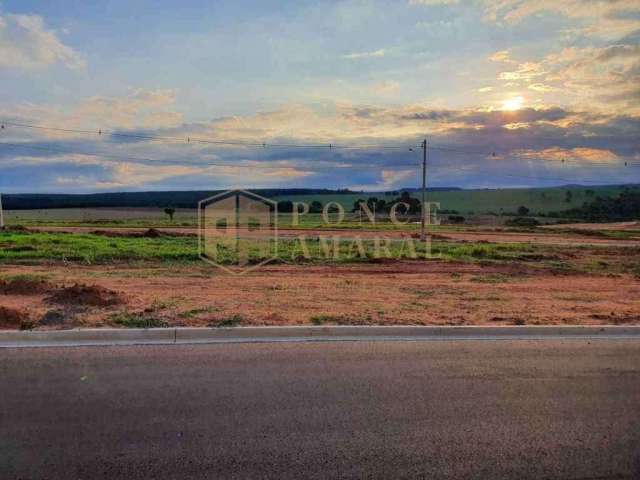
489 298
197 311
423 293
577 298
226 322
491 278
561 266
493 298
27 325
165 304
341 319
137 320
25 277
24 285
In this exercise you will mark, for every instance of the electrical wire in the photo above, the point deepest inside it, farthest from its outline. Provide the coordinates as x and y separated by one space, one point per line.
121 158
189 139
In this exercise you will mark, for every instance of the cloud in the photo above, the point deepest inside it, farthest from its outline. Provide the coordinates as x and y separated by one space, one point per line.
502 56
385 88
376 53
389 179
605 18
584 138
137 108
580 154
26 43
141 107
541 87
433 2
605 78
526 71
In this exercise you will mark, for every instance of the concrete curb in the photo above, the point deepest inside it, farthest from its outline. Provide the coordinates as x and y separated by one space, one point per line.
173 336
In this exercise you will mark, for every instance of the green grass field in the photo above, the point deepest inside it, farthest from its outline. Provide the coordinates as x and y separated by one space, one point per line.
468 202
478 206
91 248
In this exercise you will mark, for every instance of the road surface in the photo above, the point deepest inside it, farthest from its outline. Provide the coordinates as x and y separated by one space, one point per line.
557 409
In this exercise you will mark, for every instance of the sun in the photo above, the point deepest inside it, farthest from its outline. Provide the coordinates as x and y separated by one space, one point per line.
513 104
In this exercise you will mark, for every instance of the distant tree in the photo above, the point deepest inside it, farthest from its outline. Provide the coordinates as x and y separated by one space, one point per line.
381 205
625 207
522 222
405 197
589 193
315 207
456 219
170 211
523 211
356 205
285 206
568 196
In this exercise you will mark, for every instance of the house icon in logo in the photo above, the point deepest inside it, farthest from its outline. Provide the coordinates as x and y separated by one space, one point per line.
237 231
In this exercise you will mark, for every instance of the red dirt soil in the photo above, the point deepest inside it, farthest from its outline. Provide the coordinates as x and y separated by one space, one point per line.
24 286
92 295
393 293
12 318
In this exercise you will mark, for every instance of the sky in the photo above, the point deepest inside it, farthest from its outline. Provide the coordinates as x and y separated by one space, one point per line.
164 95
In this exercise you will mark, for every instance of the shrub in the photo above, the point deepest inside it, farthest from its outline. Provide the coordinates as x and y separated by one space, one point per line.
137 320
522 222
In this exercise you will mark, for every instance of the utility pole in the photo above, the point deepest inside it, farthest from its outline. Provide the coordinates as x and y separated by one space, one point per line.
423 233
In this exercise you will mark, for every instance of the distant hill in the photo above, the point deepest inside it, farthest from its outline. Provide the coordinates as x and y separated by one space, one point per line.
176 199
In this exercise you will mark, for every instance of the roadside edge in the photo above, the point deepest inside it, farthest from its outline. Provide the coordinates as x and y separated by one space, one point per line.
172 336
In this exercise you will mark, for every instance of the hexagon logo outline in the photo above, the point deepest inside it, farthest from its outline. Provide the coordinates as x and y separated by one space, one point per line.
202 205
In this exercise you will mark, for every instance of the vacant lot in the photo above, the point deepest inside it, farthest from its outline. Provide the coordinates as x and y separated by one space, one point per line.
81 276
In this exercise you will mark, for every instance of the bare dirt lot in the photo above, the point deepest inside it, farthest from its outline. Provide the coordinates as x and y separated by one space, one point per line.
399 292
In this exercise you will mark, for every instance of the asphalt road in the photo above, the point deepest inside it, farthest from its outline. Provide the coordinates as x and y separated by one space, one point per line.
436 409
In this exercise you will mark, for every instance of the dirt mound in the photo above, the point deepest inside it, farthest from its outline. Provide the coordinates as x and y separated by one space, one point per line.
92 295
24 286
152 233
16 229
13 318
149 233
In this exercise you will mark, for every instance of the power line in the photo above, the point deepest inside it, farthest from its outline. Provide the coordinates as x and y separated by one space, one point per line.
146 160
121 158
189 139
330 146
523 156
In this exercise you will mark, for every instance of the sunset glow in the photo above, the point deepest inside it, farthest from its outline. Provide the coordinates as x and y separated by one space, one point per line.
513 104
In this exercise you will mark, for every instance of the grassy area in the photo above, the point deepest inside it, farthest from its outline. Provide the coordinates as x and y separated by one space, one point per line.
93 248
34 247
467 202
101 217
89 248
